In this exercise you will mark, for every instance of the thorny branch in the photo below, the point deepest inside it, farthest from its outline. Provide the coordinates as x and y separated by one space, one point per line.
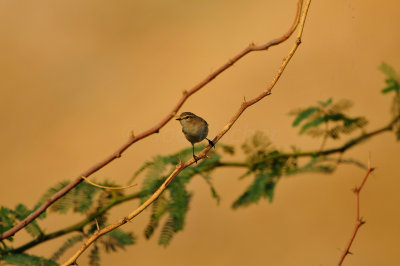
359 221
181 166
156 128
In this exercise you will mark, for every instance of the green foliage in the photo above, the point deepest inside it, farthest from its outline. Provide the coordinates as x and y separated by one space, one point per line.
178 203
315 165
158 209
167 232
69 243
9 217
27 260
6 222
79 199
392 78
50 192
94 256
262 186
393 84
21 212
117 239
175 203
304 114
268 165
330 115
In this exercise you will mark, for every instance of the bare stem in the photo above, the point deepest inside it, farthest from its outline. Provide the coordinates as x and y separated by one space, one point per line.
359 221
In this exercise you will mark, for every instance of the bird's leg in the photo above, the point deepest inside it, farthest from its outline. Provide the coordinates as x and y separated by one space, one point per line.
194 156
211 143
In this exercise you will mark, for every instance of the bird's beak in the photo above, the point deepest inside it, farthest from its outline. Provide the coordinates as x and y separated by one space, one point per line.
178 119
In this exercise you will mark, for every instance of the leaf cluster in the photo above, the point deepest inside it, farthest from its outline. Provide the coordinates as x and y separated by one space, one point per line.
393 85
327 119
172 206
83 199
267 165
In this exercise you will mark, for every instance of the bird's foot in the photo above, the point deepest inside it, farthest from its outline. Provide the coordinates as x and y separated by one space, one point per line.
211 143
195 158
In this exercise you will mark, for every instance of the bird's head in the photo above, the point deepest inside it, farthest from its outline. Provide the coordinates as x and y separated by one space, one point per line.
186 117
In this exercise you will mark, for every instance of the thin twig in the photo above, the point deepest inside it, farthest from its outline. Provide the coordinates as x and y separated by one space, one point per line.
153 130
106 187
182 166
359 221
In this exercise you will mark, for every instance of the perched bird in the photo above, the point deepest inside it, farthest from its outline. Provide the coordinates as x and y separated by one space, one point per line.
194 128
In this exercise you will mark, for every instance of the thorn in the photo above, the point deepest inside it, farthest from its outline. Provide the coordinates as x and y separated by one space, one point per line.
118 155
125 220
361 221
349 252
132 134
157 131
355 190
97 225
179 165
298 41
252 44
184 92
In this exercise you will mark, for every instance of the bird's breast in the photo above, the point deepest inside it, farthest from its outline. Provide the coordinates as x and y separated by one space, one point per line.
195 133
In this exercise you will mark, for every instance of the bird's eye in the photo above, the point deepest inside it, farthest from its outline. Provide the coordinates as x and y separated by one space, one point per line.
187 117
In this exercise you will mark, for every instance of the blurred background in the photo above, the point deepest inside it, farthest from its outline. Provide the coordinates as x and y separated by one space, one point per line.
77 76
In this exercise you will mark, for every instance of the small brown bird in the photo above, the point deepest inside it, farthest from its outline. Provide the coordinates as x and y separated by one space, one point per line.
194 128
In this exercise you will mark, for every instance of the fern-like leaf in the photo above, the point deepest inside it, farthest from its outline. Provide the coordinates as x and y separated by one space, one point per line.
167 232
178 203
158 209
117 239
21 212
6 222
50 192
263 186
70 242
304 114
94 256
28 260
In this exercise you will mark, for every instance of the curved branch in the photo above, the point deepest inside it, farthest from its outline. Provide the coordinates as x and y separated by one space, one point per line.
106 187
202 155
155 129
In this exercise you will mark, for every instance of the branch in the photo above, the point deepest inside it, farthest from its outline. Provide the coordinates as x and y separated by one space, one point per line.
341 149
106 187
156 128
359 220
202 155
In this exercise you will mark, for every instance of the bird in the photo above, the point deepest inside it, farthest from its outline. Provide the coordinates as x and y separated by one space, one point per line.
195 129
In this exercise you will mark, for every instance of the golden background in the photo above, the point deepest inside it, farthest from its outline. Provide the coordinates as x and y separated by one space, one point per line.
78 76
